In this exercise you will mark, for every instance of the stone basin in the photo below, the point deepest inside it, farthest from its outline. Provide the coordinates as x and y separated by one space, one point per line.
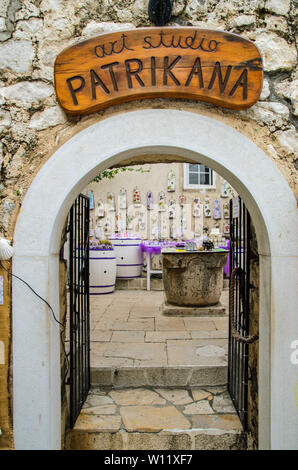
193 278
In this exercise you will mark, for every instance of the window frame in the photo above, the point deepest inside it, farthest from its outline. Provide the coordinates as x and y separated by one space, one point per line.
188 185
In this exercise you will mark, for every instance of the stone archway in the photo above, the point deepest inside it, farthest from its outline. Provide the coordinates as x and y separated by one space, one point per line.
36 349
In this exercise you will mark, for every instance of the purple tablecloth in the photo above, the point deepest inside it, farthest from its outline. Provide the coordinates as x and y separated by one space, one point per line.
227 266
155 248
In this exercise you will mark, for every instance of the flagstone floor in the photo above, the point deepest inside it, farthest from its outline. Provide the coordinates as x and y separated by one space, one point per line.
128 329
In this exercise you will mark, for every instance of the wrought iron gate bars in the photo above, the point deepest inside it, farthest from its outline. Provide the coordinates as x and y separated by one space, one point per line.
79 305
240 236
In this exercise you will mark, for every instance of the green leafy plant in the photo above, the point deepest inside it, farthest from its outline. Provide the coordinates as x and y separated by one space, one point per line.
109 174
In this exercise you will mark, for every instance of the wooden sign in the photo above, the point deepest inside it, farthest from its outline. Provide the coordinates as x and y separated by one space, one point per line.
198 64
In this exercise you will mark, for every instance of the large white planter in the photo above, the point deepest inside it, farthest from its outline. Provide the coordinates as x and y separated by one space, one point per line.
130 258
102 271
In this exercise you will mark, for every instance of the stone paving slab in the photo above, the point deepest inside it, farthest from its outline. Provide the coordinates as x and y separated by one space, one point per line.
129 330
156 418
201 352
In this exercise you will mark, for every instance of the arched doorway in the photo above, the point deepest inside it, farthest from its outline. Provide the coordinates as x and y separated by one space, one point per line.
273 209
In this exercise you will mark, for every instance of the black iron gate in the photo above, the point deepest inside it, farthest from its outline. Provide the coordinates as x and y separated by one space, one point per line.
240 236
79 305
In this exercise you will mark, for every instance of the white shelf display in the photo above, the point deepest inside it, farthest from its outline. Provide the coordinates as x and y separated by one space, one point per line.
129 257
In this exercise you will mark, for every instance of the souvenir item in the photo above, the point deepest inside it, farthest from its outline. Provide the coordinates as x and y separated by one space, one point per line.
107 228
196 208
164 229
136 197
122 199
182 200
171 181
172 209
149 200
224 189
89 194
98 232
207 207
141 220
111 202
226 211
154 229
198 228
216 210
100 211
226 229
162 202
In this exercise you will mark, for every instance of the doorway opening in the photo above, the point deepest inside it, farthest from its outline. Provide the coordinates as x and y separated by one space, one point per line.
37 403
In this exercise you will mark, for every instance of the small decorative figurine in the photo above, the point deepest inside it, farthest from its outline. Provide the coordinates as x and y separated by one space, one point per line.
171 181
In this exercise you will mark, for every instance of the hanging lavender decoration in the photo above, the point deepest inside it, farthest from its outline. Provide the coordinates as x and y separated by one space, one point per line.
160 11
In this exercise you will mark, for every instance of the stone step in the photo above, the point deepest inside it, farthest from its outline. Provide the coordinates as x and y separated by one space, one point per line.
159 376
157 419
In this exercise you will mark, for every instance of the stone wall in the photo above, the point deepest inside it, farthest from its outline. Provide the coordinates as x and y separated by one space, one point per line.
6 437
33 126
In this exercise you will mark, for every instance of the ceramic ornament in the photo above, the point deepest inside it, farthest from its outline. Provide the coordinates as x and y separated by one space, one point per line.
224 189
111 202
129 220
136 197
89 194
226 211
171 181
182 200
198 228
226 228
100 210
149 200
154 229
122 199
216 209
6 251
172 209
141 221
98 232
162 202
122 221
207 207
196 207
164 229
107 228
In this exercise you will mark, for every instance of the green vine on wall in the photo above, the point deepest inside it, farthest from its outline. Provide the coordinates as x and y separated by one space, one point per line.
109 174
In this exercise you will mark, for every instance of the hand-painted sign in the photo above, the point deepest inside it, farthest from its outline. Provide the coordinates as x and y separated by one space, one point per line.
199 64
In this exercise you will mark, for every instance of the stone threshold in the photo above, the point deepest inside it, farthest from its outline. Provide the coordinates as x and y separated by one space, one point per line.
157 418
159 376
169 309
